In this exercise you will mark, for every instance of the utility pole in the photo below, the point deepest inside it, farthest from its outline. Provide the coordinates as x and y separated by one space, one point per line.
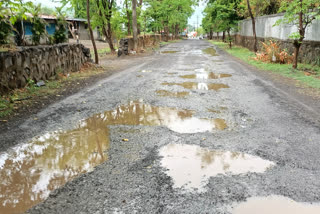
197 23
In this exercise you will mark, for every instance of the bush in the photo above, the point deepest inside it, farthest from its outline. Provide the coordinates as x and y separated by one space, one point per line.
271 52
5 31
60 34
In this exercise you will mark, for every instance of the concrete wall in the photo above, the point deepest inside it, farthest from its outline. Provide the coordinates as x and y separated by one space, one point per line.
39 63
265 28
310 49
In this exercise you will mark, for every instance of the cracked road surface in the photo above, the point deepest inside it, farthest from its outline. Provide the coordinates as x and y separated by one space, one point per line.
188 130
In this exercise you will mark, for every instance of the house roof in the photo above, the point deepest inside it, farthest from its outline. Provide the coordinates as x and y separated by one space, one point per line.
51 17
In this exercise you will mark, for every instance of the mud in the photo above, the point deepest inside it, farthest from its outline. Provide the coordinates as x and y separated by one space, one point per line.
276 205
199 86
190 166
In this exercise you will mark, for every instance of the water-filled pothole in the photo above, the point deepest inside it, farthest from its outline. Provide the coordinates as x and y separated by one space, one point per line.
146 71
164 93
191 166
199 86
205 75
29 172
210 51
168 52
275 205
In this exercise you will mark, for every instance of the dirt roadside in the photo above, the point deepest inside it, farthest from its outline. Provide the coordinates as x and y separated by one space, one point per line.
109 65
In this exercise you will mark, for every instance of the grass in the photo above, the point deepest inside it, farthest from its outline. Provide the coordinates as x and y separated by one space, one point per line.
283 69
101 52
29 94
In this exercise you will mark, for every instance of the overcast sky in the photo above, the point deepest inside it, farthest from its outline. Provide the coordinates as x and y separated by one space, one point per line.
192 20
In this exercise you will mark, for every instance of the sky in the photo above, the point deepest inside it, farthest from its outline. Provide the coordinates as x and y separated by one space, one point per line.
192 20
197 13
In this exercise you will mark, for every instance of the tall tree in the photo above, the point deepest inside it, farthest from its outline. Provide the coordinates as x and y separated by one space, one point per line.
91 34
301 13
134 24
255 45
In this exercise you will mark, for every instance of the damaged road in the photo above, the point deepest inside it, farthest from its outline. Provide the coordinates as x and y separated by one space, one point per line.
187 130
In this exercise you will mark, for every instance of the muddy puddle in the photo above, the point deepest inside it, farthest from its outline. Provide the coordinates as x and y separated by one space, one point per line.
199 86
29 172
205 75
168 52
275 205
164 93
191 166
217 110
211 51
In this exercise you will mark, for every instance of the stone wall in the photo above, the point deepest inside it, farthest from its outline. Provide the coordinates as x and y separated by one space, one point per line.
265 29
126 44
39 63
309 51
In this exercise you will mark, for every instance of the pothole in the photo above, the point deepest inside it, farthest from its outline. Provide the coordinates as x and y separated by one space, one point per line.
210 51
205 75
164 93
276 205
168 52
191 166
29 172
199 86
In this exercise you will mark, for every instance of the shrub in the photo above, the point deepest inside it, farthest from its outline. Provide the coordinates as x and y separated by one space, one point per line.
271 52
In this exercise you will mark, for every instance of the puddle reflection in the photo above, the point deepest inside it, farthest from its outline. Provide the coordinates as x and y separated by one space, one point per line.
199 86
276 205
190 166
31 171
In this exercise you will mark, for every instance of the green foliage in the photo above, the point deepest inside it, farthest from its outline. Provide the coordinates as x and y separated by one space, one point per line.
60 34
38 25
310 10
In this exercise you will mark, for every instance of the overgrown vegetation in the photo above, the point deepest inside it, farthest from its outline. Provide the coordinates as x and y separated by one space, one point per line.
38 25
60 34
308 75
272 53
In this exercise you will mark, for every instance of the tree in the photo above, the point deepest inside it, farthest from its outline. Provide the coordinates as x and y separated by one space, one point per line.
134 25
38 25
255 45
60 35
300 13
91 34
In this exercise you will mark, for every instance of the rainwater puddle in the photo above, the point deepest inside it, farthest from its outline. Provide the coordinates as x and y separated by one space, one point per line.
168 52
29 172
199 86
164 93
275 205
218 110
205 75
210 51
191 166
146 71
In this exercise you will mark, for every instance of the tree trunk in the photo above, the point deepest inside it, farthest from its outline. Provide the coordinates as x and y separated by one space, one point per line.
255 46
128 17
296 54
134 25
229 39
91 34
224 36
